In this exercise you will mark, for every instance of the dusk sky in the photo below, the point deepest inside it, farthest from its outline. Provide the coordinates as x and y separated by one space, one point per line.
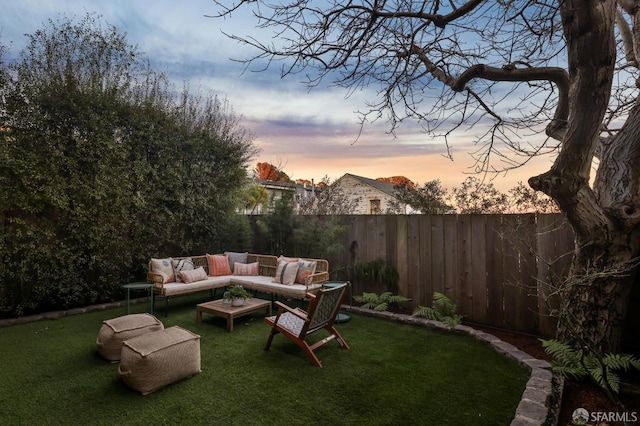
309 133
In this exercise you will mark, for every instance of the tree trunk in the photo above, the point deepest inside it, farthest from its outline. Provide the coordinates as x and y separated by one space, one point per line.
594 303
595 300
608 267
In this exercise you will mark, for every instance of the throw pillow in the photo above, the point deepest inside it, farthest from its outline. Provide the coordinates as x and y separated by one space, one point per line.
286 273
181 265
193 275
163 267
218 265
236 258
306 268
246 268
285 259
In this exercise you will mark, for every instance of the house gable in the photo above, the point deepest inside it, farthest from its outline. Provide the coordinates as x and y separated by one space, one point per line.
372 196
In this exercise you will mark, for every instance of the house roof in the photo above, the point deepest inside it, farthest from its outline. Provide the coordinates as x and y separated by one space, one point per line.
385 187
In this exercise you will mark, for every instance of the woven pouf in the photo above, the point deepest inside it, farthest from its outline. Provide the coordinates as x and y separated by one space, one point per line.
154 360
116 330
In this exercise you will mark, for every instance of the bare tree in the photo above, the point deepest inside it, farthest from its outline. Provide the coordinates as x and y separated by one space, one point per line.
477 197
428 199
512 69
328 200
523 199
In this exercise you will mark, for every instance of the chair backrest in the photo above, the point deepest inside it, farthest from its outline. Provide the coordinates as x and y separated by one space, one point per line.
324 307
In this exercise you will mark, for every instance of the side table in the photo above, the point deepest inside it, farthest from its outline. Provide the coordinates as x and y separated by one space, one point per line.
139 286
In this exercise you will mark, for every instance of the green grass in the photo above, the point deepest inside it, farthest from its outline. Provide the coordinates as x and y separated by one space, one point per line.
394 374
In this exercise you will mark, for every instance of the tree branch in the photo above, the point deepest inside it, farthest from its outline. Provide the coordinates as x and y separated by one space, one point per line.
558 126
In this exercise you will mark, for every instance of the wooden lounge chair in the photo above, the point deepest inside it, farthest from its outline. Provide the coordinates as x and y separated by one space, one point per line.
297 324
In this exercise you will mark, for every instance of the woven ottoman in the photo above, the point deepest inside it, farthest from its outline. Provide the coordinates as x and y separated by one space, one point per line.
154 360
116 330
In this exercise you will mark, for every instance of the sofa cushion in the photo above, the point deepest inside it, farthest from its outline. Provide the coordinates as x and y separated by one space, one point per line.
234 257
163 267
173 289
181 265
218 265
192 275
286 273
266 285
306 268
250 269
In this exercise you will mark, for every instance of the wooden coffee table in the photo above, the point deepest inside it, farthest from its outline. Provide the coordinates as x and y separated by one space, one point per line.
221 309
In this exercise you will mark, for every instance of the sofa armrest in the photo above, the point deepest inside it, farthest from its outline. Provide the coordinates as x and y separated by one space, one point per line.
156 279
317 278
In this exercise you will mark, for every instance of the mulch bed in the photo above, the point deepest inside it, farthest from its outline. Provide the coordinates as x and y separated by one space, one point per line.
581 394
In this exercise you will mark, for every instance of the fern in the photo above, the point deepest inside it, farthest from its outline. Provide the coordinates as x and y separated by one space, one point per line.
380 302
443 310
603 370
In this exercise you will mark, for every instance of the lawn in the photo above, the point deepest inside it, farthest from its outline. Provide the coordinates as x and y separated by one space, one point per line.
394 374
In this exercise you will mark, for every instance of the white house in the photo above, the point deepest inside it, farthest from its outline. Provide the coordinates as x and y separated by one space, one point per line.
371 196
275 191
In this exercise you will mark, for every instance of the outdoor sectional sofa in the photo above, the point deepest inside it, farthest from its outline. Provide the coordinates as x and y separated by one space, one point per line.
255 272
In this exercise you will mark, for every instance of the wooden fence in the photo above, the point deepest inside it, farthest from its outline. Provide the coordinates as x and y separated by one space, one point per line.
496 268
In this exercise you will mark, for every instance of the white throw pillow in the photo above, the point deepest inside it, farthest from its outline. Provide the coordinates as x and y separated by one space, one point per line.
182 265
164 267
193 275
286 273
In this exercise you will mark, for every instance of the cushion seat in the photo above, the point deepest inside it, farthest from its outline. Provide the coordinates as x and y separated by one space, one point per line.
154 360
173 289
266 285
115 331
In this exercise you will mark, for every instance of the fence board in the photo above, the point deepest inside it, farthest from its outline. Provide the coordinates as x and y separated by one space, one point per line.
465 303
527 303
426 253
437 257
511 269
413 257
450 250
495 270
548 254
489 265
402 249
478 277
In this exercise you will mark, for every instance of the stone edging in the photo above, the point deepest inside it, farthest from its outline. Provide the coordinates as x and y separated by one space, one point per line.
59 314
535 407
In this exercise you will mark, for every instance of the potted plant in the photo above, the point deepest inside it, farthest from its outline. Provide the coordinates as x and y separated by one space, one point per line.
236 295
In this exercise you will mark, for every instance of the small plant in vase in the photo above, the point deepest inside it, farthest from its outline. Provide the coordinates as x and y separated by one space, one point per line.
236 295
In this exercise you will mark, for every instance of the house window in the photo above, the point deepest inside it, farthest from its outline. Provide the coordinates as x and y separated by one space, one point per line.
374 206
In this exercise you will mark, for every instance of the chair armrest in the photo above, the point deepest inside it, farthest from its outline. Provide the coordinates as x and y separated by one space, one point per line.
295 311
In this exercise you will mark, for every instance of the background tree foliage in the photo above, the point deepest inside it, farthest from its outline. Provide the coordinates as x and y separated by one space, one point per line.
105 167
475 197
431 198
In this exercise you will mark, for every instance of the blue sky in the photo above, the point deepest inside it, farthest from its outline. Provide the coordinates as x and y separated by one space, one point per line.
308 133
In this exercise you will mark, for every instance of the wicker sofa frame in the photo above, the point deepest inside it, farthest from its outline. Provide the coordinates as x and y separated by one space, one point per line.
263 282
